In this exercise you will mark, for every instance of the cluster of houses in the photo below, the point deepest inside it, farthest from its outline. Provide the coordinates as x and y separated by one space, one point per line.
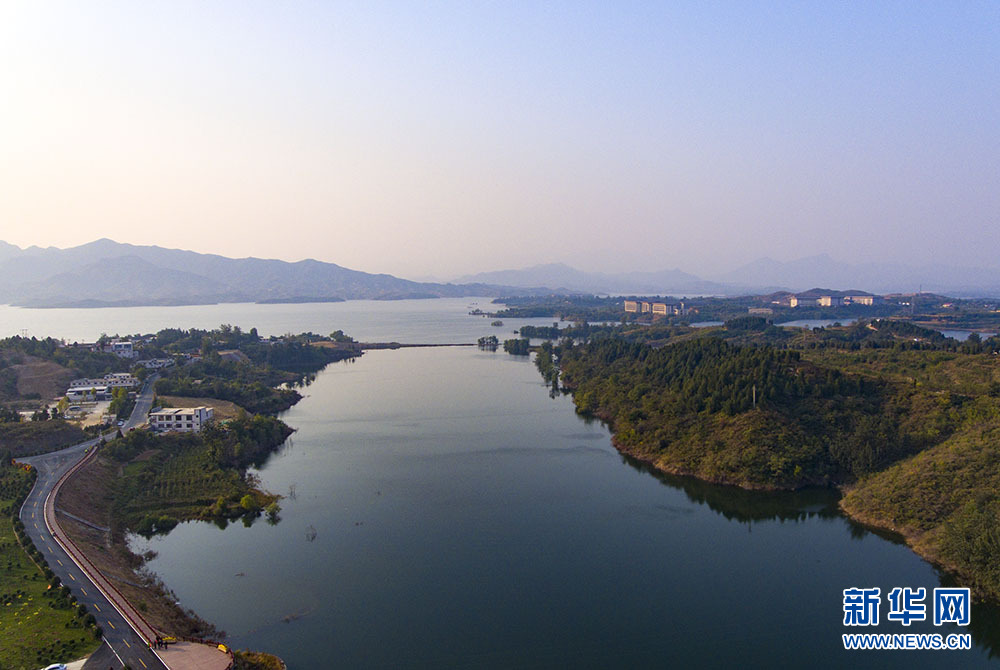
655 308
120 348
182 419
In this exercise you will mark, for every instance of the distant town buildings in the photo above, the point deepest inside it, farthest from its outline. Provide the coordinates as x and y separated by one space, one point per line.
183 419
863 299
828 298
760 311
654 308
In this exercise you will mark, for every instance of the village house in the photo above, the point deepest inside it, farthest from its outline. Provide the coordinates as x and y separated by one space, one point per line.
183 419
121 348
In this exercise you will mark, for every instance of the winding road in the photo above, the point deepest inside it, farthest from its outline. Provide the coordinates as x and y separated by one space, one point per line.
121 633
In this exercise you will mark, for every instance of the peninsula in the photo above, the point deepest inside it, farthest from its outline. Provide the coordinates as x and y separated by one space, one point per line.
130 478
904 420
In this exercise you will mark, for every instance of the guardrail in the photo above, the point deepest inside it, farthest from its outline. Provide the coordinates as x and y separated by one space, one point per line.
84 563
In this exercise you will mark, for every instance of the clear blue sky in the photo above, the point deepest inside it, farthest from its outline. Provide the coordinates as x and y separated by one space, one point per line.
425 138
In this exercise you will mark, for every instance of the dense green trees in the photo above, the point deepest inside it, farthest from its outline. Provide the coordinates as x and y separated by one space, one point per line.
521 347
251 381
541 332
690 407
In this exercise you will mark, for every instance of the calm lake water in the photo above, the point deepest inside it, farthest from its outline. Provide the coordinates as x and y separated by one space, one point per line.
437 321
463 518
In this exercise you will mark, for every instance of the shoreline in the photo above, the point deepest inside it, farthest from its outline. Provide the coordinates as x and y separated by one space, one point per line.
913 540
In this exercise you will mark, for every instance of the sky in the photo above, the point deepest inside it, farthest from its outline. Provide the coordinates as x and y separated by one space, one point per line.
444 138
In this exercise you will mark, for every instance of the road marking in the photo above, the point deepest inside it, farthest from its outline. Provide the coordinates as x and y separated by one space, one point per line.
126 643
97 607
72 577
112 625
60 563
36 525
83 590
143 663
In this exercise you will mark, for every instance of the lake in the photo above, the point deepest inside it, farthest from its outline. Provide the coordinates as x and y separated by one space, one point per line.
442 510
443 320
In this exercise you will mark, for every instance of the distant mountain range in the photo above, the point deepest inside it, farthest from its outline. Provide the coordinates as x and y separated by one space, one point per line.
557 276
108 273
762 276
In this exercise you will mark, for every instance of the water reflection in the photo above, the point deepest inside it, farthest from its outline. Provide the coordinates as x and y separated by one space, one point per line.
741 505
736 504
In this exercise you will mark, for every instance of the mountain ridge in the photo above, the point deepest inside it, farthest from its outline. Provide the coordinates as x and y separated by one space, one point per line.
154 275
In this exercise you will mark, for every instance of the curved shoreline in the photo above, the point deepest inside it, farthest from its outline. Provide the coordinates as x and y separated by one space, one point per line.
912 540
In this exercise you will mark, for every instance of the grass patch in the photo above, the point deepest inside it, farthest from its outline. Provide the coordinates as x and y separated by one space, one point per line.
38 624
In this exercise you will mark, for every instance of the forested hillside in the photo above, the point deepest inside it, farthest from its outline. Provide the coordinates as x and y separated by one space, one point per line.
907 421
755 416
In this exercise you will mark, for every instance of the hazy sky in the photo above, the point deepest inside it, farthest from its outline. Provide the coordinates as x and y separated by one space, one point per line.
424 138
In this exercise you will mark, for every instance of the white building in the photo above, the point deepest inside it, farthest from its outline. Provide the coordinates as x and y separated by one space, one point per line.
184 419
121 348
863 299
113 380
155 363
89 393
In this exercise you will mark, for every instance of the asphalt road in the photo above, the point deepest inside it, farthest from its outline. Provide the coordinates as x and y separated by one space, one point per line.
126 643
